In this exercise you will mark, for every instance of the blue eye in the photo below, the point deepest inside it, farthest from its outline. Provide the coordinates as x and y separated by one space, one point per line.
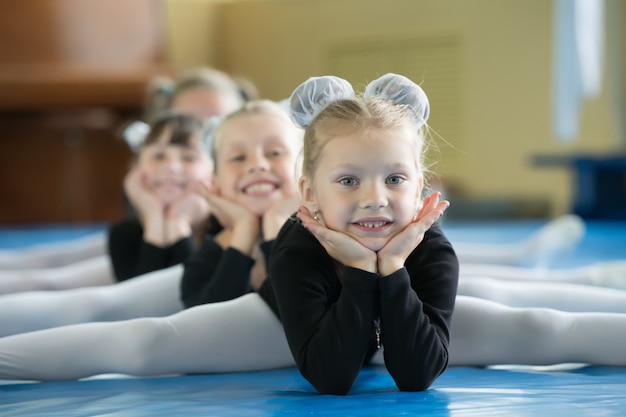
395 180
347 181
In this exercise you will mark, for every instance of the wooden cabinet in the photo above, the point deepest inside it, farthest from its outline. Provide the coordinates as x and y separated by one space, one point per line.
72 72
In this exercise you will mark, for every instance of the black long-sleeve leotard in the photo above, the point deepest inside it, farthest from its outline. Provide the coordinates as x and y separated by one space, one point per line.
132 256
334 315
214 274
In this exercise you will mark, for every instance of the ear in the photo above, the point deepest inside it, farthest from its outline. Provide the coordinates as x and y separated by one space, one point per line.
420 188
307 194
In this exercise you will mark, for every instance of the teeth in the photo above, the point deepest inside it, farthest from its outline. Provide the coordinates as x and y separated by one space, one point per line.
260 188
373 225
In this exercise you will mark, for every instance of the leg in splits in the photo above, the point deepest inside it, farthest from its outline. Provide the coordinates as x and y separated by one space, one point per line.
151 295
237 335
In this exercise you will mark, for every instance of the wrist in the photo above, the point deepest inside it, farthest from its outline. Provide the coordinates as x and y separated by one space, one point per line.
270 229
176 230
153 231
387 267
368 264
244 236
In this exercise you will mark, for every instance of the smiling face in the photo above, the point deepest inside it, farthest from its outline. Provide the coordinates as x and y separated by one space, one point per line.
171 169
256 159
367 184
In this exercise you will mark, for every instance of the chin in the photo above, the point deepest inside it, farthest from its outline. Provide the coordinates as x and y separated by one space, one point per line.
168 198
375 244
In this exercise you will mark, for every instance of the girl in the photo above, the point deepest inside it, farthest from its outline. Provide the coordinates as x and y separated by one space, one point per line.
245 334
340 280
248 205
255 192
170 214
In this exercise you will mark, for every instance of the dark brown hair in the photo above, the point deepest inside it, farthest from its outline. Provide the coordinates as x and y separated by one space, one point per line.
182 129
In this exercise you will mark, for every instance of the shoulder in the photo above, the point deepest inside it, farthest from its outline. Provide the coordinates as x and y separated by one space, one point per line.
434 246
293 240
126 228
292 233
436 235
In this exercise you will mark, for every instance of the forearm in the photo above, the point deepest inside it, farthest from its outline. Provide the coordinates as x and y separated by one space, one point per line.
331 345
175 230
213 274
415 335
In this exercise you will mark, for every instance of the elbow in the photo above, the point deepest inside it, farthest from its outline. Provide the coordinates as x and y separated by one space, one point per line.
332 387
331 383
415 385
422 377
420 382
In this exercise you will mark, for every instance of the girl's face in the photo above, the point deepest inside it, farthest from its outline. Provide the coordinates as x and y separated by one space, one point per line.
256 160
367 185
204 103
171 170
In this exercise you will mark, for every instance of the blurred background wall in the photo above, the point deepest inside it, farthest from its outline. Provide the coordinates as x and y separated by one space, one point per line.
487 66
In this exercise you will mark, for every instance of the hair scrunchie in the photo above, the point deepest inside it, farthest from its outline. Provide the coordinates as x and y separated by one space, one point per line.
135 134
312 96
401 90
209 130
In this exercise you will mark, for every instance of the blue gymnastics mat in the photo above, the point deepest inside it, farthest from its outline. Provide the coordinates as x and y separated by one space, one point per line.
561 390
586 391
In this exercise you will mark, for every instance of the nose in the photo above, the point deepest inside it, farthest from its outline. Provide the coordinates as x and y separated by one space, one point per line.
374 196
173 163
258 162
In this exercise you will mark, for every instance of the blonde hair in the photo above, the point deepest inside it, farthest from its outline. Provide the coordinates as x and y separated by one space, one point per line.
358 114
163 91
252 108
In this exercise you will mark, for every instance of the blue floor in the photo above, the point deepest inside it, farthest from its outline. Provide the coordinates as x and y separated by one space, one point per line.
513 391
588 391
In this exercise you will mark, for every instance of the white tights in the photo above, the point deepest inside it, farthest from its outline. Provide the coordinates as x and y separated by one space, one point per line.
154 294
244 335
90 272
54 254
555 237
158 294
238 335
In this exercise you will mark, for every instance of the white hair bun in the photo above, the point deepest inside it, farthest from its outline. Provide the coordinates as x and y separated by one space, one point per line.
313 95
135 133
401 90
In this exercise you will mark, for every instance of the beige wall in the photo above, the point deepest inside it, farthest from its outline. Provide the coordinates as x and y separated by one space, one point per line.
502 61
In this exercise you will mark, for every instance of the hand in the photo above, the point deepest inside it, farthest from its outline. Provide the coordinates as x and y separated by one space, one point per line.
276 215
144 201
184 215
149 207
340 246
191 207
393 255
241 226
